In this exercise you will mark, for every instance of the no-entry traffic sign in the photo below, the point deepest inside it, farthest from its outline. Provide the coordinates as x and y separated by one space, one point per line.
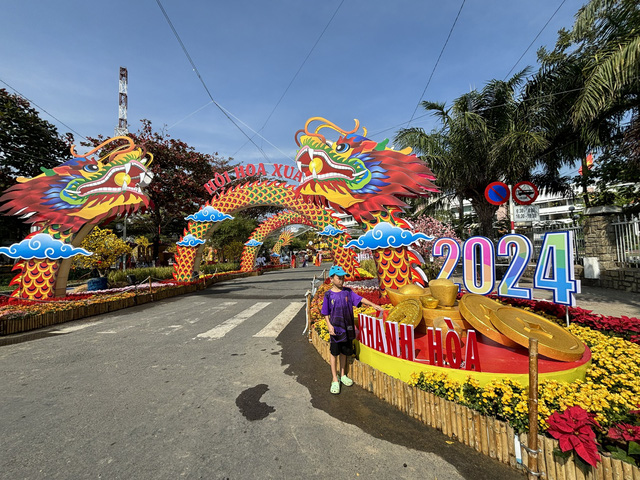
525 193
496 193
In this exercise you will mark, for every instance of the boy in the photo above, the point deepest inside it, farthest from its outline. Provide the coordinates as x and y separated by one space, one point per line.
337 309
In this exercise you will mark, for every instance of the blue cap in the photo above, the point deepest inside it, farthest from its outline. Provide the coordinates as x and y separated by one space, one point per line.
337 270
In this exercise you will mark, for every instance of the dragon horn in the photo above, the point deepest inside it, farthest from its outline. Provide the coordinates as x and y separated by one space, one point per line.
106 142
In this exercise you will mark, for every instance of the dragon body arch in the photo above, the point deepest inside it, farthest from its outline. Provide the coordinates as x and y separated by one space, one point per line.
270 225
255 194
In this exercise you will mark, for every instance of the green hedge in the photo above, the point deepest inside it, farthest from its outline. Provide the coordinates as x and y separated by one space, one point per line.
156 273
220 267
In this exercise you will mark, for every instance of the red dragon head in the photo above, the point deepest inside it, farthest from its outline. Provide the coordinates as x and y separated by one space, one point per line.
358 175
84 190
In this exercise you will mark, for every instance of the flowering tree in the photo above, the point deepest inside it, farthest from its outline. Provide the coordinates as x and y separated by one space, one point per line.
436 229
106 248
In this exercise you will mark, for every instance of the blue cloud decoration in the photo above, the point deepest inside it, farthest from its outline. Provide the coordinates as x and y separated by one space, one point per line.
209 214
253 243
330 231
274 254
190 241
43 245
385 235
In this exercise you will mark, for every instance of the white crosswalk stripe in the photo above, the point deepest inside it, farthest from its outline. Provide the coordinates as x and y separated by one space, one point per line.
276 325
228 325
216 308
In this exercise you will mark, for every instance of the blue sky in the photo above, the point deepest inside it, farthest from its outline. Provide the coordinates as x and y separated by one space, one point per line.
372 63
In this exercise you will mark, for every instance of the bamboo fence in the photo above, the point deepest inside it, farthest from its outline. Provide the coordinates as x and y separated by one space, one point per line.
487 435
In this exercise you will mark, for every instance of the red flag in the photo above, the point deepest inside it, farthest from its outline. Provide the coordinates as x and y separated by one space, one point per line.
589 163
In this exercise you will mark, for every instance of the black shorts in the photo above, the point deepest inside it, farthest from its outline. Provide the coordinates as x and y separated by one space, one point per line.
344 348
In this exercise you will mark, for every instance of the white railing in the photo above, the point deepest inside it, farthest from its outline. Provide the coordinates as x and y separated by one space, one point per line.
627 233
578 239
364 256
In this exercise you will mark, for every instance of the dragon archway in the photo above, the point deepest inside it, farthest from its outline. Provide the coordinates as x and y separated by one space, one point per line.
65 203
270 225
257 194
367 179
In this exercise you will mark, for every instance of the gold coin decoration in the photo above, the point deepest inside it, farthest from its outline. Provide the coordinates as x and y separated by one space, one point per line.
408 311
478 311
553 340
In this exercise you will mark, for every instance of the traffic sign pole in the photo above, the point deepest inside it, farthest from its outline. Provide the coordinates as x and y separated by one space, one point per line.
512 213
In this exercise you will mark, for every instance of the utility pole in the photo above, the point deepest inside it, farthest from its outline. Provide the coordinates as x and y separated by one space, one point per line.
123 82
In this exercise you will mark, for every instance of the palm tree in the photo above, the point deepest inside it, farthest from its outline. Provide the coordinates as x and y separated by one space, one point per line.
485 136
589 83
607 34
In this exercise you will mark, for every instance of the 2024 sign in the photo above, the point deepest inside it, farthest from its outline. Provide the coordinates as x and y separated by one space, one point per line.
554 270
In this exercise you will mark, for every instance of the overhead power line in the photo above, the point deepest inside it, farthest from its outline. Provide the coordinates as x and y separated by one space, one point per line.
533 41
297 72
437 61
197 72
43 110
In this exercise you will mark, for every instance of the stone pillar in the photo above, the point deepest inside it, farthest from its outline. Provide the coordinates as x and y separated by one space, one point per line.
599 236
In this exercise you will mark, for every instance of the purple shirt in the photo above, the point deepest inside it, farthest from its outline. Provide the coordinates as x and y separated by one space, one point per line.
339 307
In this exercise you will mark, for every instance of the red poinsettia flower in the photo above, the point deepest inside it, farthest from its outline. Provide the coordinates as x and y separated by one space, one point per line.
624 432
573 430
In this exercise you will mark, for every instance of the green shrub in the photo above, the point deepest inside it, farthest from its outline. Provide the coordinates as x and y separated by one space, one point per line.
220 267
156 273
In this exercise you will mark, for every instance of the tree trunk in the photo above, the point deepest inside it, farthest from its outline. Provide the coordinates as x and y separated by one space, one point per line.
485 212
461 216
157 221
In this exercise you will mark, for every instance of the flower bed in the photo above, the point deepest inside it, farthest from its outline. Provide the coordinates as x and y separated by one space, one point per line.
20 315
609 396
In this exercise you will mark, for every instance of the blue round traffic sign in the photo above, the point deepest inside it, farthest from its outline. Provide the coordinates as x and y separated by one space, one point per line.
496 193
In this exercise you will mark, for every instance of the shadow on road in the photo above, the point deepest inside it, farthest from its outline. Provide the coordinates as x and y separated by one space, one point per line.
358 407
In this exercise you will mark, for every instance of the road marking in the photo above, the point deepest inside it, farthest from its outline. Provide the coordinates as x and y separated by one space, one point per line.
228 325
216 308
70 329
276 325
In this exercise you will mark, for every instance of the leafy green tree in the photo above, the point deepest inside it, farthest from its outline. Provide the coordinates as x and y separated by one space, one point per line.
485 136
27 142
232 231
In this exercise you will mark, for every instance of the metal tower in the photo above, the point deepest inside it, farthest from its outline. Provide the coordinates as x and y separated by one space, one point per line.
122 128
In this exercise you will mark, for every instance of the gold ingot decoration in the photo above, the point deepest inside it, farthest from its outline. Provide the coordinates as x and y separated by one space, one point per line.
429 302
430 314
458 327
444 290
407 292
408 311
553 340
478 311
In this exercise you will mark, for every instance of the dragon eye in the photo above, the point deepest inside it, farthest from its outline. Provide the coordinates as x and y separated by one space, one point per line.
342 148
90 168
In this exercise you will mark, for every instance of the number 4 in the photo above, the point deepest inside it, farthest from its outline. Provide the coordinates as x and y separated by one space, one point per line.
555 268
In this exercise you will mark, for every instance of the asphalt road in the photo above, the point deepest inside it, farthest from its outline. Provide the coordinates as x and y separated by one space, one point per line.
214 385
